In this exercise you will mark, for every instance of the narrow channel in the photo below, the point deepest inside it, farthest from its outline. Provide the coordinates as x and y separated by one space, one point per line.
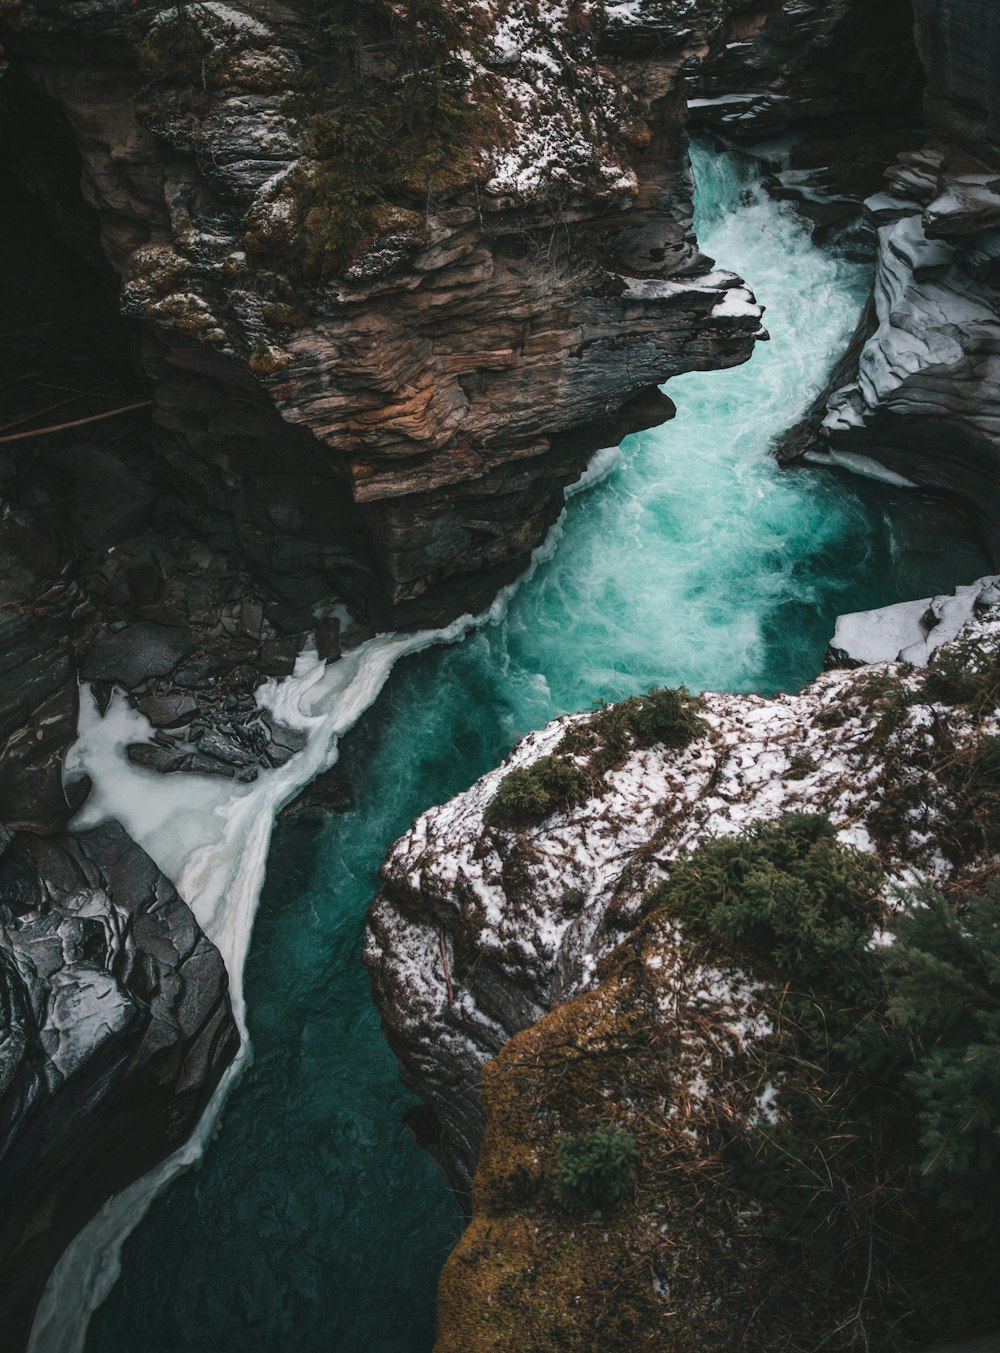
314 1222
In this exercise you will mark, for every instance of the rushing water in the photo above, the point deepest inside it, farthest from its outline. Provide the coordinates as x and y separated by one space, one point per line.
314 1223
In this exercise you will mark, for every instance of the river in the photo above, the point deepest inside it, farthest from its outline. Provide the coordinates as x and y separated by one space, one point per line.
313 1222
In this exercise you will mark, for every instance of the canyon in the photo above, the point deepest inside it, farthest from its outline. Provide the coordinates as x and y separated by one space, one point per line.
317 448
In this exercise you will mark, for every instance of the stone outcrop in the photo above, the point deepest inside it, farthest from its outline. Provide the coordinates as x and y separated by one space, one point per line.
116 1026
295 453
917 390
329 448
776 66
519 920
911 631
397 436
528 990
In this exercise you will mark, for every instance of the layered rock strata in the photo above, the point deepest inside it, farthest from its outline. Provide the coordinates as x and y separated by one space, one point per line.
776 66
323 451
480 929
403 429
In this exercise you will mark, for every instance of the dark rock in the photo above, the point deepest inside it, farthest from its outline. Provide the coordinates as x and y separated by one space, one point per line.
180 757
959 45
328 639
330 792
134 653
169 709
118 1027
105 500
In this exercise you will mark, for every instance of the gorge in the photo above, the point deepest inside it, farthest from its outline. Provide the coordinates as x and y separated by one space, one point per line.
687 557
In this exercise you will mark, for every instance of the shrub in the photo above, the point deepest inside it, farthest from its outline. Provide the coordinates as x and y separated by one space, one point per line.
595 1169
966 673
787 893
945 967
531 793
396 107
973 813
603 742
668 717
185 43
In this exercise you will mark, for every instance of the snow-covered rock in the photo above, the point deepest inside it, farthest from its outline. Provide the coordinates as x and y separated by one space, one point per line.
480 929
911 631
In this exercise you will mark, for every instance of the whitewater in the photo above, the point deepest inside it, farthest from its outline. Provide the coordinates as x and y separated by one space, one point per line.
691 558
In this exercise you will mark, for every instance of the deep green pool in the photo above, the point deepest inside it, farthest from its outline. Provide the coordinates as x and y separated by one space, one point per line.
314 1224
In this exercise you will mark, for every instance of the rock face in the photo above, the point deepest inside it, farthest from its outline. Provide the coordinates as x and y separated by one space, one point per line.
399 435
295 450
782 65
917 391
116 1026
519 920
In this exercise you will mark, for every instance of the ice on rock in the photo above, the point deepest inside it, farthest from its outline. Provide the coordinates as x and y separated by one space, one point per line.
912 630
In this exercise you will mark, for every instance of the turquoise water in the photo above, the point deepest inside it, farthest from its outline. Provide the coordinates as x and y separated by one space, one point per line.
315 1224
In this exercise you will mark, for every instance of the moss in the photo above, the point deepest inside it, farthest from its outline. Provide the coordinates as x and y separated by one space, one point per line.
804 1230
266 360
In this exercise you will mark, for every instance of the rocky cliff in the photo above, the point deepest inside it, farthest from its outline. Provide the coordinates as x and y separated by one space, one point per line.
520 918
313 312
116 1027
364 286
389 421
916 392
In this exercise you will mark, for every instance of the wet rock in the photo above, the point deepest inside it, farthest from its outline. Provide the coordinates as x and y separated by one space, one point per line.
118 1027
328 639
918 391
330 792
778 66
38 688
133 653
168 709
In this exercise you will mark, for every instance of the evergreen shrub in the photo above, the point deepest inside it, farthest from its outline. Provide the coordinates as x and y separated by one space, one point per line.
945 969
965 673
595 1169
531 793
668 717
